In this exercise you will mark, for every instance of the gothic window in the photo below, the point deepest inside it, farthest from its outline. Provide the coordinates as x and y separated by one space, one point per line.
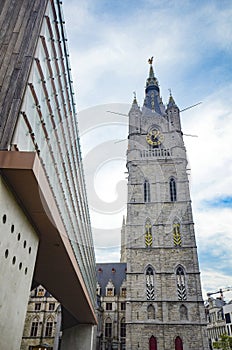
122 328
34 328
48 328
150 284
178 344
183 312
172 187
108 328
148 234
152 343
146 188
176 234
180 280
150 312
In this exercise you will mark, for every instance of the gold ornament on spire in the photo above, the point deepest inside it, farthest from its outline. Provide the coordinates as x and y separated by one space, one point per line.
150 60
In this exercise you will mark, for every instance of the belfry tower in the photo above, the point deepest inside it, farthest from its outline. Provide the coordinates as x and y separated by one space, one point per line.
165 309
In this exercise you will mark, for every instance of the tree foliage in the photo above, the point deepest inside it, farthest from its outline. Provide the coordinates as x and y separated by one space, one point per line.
225 343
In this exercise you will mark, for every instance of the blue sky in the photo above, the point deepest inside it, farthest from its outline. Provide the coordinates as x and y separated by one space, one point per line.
109 44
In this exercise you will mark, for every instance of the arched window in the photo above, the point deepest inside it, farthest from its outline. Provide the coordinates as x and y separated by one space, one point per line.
152 343
150 312
108 328
176 234
178 344
172 188
180 281
123 328
150 284
148 234
183 312
49 327
34 327
146 188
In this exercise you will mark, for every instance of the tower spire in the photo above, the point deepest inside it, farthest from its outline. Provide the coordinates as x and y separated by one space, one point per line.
151 72
153 100
151 80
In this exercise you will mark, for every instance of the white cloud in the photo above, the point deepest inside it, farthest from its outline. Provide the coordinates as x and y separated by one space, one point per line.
212 282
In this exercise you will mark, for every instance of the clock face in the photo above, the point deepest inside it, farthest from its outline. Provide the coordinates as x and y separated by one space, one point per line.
154 137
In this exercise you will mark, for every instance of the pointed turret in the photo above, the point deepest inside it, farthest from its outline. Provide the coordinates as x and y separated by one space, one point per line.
173 113
123 241
135 106
134 116
152 100
171 102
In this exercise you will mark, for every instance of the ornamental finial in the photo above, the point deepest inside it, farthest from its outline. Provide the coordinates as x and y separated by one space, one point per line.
150 60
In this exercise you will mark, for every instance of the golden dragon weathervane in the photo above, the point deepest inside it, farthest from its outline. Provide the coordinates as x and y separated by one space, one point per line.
150 60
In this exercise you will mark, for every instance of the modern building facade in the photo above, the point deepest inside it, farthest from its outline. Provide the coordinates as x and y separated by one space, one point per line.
45 232
164 307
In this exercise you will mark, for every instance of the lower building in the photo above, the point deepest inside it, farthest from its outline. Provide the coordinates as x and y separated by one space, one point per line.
43 322
111 292
216 324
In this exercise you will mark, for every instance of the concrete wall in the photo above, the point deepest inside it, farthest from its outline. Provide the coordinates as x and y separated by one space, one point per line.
18 247
82 337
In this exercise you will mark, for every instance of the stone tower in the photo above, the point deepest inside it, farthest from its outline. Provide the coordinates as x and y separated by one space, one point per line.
164 301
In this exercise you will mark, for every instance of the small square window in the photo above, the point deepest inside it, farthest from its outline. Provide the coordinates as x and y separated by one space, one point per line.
37 306
109 306
51 306
123 306
124 292
40 292
110 292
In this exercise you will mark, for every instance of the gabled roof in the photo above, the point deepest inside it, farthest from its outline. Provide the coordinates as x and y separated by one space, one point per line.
116 272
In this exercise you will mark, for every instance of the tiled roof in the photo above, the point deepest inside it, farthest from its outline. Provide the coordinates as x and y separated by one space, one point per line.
116 272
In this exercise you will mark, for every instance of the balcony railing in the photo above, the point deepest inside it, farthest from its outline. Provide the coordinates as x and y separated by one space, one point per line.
157 152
